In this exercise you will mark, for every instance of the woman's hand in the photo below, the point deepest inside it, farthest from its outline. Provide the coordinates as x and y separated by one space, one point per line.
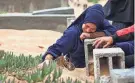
84 35
48 58
103 41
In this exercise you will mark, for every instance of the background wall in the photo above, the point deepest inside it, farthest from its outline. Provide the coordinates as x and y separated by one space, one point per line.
54 23
29 5
80 5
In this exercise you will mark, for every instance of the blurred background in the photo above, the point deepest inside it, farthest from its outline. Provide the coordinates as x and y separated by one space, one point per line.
25 6
31 26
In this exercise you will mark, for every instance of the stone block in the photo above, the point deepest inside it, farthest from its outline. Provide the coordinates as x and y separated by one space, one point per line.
105 79
112 55
70 20
59 10
23 21
122 75
88 53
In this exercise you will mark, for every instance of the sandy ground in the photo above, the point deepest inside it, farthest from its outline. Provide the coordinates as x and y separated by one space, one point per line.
27 41
35 42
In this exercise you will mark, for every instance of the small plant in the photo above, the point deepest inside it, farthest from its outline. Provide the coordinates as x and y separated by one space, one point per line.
20 75
10 81
2 78
49 74
1 54
40 75
2 65
21 67
94 1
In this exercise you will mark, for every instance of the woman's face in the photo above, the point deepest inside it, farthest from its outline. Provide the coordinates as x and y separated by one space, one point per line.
89 27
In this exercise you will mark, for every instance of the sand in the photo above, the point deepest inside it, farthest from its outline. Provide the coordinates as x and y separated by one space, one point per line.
27 41
35 42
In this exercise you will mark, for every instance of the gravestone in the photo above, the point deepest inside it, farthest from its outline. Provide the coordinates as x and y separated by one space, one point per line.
88 54
122 75
112 55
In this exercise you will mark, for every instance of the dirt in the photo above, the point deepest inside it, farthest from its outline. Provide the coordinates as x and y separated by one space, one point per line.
27 41
35 42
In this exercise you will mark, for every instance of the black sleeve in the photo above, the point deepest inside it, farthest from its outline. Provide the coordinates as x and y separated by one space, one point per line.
126 37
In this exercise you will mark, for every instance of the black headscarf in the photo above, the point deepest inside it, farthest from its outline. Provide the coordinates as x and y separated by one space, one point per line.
120 10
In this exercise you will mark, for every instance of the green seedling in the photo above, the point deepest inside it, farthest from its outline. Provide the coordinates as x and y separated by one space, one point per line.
20 75
77 81
2 65
20 65
94 1
1 54
11 81
2 78
36 77
48 80
47 69
57 73
28 78
69 80
61 80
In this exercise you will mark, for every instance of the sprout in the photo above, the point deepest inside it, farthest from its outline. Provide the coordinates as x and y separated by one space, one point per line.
2 78
19 67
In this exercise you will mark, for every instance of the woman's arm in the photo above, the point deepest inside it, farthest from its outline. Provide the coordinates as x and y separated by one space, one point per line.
63 45
125 34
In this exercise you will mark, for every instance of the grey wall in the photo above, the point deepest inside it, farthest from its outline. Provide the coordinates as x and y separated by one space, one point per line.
29 5
34 22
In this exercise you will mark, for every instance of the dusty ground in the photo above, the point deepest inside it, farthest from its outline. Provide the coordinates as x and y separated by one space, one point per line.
27 41
34 42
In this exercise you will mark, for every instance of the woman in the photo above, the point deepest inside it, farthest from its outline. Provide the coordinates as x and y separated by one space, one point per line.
124 39
120 12
71 43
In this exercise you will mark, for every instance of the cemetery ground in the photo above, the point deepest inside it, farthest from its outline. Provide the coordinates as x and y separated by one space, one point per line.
20 43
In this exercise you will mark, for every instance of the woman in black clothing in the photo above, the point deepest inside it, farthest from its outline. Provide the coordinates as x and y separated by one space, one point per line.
120 12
